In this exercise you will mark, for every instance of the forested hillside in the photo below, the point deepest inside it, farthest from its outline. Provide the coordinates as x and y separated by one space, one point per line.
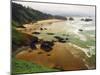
22 14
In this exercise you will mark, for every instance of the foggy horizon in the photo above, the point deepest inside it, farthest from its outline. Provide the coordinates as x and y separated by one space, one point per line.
61 9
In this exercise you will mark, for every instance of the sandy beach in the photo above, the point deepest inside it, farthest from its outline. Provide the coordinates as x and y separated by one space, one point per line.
60 57
65 56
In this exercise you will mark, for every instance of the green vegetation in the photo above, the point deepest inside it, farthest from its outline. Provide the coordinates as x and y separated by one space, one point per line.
19 39
21 67
22 15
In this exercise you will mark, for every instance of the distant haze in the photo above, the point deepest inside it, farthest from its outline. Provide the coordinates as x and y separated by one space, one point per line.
61 9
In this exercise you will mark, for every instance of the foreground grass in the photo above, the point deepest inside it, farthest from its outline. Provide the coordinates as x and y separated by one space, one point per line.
21 67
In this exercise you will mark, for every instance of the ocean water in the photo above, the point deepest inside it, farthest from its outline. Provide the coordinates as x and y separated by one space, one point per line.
84 39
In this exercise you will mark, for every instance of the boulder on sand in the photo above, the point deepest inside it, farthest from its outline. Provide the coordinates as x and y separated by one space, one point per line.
41 28
35 32
34 40
33 43
33 46
60 39
46 45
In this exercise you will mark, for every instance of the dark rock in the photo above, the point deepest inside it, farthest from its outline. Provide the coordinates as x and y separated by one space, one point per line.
88 19
59 38
33 46
62 41
67 38
54 41
33 43
50 33
34 40
36 33
47 46
41 28
80 29
71 19
48 54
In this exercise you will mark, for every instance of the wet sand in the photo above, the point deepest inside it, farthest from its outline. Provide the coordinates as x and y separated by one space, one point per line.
60 57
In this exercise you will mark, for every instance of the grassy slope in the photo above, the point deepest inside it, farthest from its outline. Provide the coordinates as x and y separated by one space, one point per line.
19 39
20 67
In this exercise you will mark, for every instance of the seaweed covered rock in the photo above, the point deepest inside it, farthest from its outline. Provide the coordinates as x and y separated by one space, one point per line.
50 33
60 39
46 45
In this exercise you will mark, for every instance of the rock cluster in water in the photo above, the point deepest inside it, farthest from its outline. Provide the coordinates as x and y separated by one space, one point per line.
86 19
71 18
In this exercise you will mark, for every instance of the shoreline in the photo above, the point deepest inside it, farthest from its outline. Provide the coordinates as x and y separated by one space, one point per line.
74 51
32 27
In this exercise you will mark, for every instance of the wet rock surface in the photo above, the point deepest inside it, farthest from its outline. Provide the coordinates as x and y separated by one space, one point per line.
50 33
35 32
80 29
33 43
46 45
60 39
71 18
86 19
